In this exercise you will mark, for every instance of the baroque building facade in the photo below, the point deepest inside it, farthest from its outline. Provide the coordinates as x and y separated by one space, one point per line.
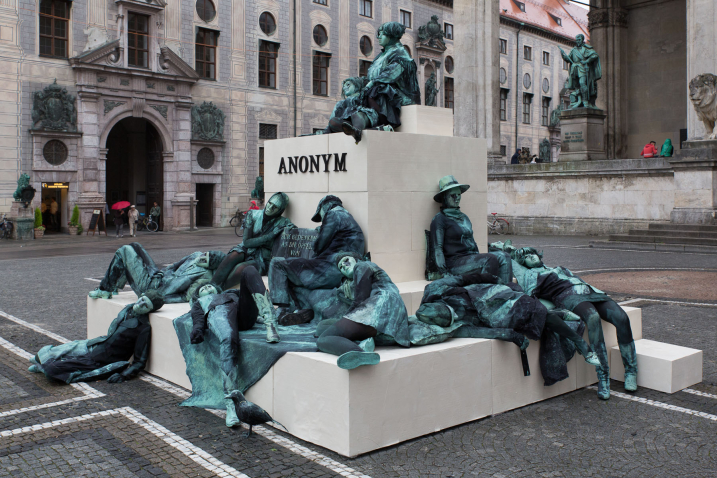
169 101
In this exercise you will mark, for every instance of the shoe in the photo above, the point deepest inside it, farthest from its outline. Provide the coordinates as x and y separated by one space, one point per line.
351 360
302 316
100 294
349 130
117 235
368 345
603 385
592 359
232 419
631 382
34 368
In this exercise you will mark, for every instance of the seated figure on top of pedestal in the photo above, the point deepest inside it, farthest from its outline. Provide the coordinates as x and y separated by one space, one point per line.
391 83
452 250
177 282
559 286
585 71
339 232
262 228
106 356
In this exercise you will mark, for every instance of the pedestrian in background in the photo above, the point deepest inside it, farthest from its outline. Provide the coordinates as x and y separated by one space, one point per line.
54 207
667 149
119 222
155 212
133 220
515 159
650 150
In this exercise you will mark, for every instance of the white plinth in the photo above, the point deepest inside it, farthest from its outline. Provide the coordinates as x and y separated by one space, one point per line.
388 187
417 119
664 367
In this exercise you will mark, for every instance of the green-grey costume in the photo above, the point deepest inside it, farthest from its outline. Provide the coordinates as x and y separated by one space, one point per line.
131 264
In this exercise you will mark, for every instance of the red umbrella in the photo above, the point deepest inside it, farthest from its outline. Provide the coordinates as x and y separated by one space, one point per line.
120 205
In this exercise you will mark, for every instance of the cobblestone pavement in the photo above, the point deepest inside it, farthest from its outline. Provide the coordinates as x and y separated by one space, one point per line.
136 429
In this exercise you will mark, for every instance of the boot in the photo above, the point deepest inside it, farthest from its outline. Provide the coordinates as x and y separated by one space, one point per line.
100 294
266 313
368 345
629 360
358 123
603 383
351 360
232 419
287 317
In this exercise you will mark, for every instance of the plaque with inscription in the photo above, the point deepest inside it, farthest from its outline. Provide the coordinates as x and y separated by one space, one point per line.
297 242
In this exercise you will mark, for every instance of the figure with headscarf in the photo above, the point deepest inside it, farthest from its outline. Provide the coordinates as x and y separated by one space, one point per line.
176 283
107 356
339 232
392 83
667 149
262 228
376 310
567 291
452 250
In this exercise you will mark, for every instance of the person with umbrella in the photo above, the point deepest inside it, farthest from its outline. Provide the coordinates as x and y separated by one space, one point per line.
118 210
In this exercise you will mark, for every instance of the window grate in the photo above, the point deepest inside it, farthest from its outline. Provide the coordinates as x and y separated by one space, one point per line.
267 131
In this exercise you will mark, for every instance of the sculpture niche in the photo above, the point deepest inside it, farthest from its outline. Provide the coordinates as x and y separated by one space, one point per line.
703 94
431 90
585 71
391 83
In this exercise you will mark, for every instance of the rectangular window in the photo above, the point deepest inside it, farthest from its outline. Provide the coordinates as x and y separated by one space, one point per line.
206 54
366 8
448 92
503 46
545 116
267 64
54 29
565 65
566 103
138 40
267 131
321 74
546 58
322 2
406 18
448 29
527 53
363 67
503 150
261 162
503 104
527 100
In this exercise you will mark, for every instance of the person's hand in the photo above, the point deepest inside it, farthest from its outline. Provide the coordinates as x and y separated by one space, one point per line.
196 337
116 378
369 85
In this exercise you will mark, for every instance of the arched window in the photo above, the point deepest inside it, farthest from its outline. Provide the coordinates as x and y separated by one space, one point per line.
365 45
449 64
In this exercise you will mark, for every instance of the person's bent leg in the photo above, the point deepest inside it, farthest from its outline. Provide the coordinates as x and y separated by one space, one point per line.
591 317
225 269
553 323
614 314
132 264
340 338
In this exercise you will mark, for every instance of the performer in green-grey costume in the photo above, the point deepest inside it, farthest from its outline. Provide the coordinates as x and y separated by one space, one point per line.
567 291
473 305
262 227
107 356
376 309
339 232
452 249
351 104
132 265
392 83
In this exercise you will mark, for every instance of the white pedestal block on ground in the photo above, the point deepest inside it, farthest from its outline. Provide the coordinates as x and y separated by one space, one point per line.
388 186
663 367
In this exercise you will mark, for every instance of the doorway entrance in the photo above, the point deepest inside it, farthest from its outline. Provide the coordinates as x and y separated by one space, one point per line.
135 171
54 207
205 205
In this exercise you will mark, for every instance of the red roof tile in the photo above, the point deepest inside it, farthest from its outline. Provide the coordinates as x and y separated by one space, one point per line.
542 14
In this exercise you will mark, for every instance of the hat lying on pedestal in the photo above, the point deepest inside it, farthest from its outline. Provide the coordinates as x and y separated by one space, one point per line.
446 183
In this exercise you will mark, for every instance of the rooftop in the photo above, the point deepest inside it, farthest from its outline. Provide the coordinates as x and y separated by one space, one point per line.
557 16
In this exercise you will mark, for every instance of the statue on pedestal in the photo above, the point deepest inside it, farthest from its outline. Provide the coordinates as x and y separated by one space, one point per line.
431 90
544 156
585 71
24 192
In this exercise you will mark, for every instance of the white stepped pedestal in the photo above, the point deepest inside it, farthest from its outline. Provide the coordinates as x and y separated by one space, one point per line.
663 367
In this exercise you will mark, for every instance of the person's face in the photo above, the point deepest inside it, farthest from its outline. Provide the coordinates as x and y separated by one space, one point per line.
532 261
384 40
452 197
349 88
580 40
273 206
142 306
346 266
207 290
155 204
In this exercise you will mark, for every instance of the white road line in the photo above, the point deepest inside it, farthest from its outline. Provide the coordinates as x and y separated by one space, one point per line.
666 406
698 393
93 279
701 304
621 269
191 451
316 457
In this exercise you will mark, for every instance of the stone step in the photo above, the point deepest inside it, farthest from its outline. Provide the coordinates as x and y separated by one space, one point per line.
672 233
651 246
664 239
682 227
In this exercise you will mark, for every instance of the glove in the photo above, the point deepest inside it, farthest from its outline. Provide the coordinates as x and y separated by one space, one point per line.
116 378
196 337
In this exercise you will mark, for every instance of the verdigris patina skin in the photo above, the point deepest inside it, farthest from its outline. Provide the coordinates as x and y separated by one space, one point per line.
452 250
559 286
106 356
351 104
262 227
376 308
585 71
132 265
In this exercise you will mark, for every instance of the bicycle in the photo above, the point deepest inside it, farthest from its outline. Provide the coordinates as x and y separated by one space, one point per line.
237 219
498 226
148 223
6 228
239 225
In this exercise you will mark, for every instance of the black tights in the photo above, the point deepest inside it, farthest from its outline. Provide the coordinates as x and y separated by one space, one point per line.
609 311
229 271
342 337
553 323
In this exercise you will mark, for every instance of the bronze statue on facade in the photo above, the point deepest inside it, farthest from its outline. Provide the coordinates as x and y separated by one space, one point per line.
585 71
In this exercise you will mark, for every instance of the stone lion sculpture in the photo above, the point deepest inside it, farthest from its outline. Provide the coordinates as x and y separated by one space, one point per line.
703 94
22 183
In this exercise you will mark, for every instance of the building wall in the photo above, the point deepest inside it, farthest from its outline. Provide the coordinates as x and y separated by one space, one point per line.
529 135
656 74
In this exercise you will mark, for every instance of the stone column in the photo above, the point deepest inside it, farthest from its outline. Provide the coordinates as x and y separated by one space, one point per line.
608 35
701 52
477 26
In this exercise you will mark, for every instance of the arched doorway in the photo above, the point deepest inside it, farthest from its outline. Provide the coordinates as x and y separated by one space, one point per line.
135 170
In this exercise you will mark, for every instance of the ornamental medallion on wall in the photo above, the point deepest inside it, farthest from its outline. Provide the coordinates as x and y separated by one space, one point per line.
54 109
207 122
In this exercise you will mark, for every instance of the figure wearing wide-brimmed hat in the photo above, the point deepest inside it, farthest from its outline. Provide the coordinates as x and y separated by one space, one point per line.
452 249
